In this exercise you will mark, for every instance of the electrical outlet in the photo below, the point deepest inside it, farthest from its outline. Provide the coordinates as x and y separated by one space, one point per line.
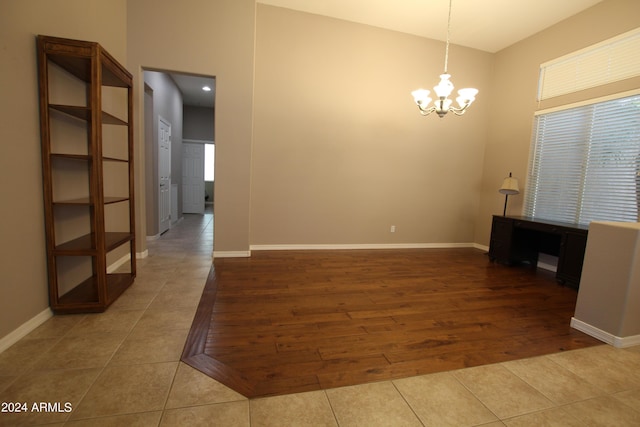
393 229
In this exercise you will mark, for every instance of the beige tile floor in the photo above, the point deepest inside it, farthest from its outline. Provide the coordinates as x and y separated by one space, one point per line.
122 368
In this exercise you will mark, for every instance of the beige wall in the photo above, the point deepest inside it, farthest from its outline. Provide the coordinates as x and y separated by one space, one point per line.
212 38
609 297
23 279
340 151
513 98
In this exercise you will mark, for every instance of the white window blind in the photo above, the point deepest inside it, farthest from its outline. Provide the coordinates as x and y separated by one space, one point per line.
612 60
584 163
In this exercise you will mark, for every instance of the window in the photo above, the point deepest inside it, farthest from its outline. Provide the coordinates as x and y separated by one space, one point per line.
612 60
209 161
584 163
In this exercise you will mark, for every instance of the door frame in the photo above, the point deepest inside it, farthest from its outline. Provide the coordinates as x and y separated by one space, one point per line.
164 224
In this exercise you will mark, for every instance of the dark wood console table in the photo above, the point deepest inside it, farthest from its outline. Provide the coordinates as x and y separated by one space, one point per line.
519 239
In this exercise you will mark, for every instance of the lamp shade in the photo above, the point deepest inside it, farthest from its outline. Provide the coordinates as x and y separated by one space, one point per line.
510 186
421 96
444 88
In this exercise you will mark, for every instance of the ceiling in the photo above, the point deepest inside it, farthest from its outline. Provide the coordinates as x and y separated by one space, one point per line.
191 87
488 25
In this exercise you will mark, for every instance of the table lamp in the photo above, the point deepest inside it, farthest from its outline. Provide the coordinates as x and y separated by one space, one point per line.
509 188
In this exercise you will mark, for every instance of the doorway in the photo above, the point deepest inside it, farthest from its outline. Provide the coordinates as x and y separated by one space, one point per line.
186 103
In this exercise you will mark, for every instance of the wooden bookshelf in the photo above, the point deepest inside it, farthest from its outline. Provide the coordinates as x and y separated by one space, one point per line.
77 266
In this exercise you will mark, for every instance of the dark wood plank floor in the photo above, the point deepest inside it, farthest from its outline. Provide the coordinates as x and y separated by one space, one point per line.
290 321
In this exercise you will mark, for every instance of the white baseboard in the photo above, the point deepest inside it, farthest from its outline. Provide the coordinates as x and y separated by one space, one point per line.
547 262
606 337
24 329
143 254
481 247
305 247
113 267
548 267
360 246
231 254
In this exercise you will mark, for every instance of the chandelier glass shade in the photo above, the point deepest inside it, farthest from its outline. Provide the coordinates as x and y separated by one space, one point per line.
443 104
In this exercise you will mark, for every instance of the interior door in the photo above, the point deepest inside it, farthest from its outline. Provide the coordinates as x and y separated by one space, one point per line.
164 175
193 178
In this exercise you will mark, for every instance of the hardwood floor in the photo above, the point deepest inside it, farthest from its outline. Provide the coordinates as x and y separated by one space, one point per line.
290 321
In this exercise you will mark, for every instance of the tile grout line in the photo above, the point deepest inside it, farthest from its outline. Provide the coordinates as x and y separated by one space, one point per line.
102 370
407 402
333 411
170 388
32 368
455 377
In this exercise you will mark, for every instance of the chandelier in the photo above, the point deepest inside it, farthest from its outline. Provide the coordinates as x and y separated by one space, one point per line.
442 105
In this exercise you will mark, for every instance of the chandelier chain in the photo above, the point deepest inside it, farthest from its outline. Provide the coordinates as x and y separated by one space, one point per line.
446 49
